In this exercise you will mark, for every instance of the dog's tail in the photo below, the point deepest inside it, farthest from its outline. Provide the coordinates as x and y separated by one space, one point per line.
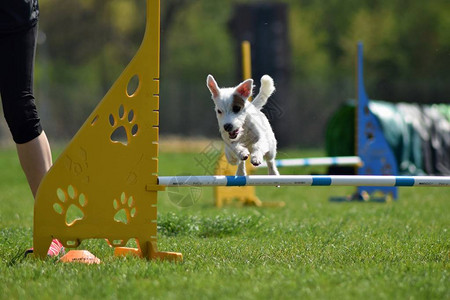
267 88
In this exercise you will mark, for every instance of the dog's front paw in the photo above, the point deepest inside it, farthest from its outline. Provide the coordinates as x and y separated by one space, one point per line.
244 154
256 161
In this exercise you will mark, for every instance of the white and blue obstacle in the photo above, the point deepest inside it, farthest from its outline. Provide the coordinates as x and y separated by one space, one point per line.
305 180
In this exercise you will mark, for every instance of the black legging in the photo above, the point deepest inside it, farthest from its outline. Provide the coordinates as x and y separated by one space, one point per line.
17 51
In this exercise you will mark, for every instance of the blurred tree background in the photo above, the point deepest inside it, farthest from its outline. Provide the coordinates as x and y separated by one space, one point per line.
84 45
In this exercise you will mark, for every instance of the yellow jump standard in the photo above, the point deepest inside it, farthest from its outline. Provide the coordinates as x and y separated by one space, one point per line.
101 175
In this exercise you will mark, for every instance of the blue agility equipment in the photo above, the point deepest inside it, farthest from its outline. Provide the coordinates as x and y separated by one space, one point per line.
371 145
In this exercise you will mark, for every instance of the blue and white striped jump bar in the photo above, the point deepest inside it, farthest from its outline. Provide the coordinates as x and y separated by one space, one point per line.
305 180
317 161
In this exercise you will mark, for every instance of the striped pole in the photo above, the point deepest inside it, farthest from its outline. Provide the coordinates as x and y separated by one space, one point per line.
317 161
305 180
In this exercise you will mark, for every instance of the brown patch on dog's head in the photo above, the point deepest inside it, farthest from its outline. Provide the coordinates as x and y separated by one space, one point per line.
238 103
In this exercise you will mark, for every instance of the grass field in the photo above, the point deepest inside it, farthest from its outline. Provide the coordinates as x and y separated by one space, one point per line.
310 249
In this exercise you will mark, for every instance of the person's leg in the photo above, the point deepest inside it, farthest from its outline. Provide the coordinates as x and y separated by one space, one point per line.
17 53
36 159
19 108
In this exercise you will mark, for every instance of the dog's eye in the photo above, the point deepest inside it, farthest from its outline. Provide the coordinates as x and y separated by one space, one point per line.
236 109
219 111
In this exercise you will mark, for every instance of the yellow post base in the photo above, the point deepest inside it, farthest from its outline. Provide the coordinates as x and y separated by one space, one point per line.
244 195
153 255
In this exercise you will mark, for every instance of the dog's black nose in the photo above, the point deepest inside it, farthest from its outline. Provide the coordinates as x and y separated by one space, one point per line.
228 127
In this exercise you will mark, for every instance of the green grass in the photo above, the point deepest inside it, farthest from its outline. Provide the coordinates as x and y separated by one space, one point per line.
310 249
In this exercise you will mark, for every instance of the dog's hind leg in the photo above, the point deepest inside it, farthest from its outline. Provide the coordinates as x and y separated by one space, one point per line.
272 167
241 169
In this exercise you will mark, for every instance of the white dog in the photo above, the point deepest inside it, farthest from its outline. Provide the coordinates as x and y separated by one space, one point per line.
244 128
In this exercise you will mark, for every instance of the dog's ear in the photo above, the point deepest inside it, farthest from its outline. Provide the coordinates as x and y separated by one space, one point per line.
212 86
245 88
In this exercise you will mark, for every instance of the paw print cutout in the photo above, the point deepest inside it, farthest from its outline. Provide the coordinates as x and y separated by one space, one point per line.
124 126
70 204
125 208
369 131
